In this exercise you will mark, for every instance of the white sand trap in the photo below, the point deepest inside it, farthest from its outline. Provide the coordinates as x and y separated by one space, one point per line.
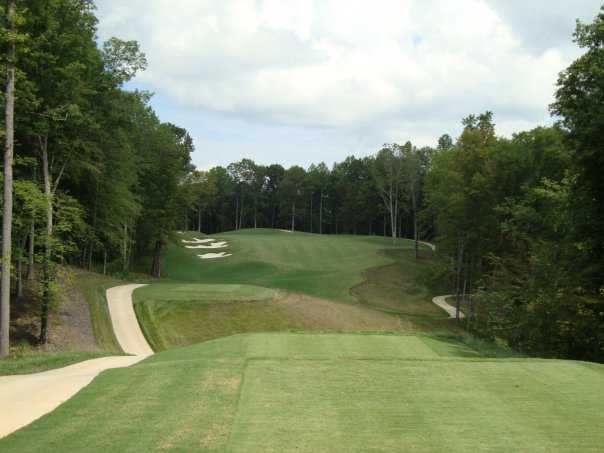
286 231
215 245
213 256
197 241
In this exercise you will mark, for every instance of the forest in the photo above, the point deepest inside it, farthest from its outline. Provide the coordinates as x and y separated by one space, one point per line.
93 178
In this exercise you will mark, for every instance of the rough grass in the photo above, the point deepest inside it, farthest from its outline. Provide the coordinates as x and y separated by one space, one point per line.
93 287
32 361
182 314
328 393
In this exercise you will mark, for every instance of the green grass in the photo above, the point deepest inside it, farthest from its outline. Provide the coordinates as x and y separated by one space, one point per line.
34 362
181 314
378 368
392 294
325 266
175 315
328 393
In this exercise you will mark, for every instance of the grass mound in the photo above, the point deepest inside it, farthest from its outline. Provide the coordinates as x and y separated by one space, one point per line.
312 282
328 393
175 315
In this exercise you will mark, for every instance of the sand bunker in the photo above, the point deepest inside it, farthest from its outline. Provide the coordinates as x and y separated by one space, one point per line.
215 245
211 256
286 231
197 241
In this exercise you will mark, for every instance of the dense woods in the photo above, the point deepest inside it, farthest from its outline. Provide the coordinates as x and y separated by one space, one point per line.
100 182
97 176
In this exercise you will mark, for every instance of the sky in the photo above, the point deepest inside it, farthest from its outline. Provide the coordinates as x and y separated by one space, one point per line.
297 82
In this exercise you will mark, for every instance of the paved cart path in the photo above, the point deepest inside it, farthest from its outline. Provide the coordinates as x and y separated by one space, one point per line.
25 398
441 301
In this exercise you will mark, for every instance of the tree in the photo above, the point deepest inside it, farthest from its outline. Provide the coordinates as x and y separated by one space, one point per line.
7 217
274 178
412 175
580 104
318 178
292 191
123 59
388 174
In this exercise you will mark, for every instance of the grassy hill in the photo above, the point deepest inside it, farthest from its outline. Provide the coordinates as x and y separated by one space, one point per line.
328 393
280 281
325 266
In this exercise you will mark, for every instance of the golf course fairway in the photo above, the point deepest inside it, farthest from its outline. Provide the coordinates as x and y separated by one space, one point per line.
307 343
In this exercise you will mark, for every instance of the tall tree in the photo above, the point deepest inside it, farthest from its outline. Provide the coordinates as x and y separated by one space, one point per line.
7 217
388 174
580 104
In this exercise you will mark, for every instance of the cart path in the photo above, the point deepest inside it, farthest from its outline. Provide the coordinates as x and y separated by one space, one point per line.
25 398
441 301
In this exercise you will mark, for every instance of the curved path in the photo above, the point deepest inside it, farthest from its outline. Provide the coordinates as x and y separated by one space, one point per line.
441 301
25 398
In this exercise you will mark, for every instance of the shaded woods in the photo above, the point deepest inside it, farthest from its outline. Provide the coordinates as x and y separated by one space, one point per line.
96 173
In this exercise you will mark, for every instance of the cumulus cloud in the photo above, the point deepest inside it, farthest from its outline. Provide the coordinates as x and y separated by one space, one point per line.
367 69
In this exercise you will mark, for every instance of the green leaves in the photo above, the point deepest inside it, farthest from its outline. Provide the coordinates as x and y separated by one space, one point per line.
123 59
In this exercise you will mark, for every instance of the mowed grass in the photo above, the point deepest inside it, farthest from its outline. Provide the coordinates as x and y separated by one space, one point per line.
368 284
328 393
325 266
33 361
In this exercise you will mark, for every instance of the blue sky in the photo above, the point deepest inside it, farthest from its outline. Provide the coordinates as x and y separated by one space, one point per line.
306 81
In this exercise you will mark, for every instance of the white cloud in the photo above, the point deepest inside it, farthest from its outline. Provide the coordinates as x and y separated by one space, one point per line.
411 67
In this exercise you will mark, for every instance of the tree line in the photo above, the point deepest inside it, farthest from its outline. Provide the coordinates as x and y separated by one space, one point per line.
95 175
378 194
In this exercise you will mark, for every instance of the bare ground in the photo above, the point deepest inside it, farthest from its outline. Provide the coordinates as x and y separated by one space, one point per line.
70 326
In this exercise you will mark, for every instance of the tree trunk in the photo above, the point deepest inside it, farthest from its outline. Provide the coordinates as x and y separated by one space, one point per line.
460 257
47 242
415 232
30 257
125 249
393 219
241 214
104 261
255 214
463 297
293 217
90 253
20 270
415 235
156 265
199 218
7 217
311 213
321 215
236 213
